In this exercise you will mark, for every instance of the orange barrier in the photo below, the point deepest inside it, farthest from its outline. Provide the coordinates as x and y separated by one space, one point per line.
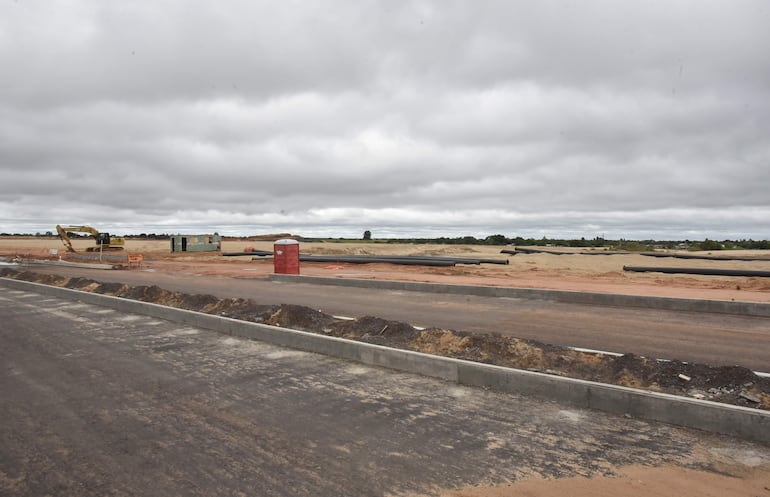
135 259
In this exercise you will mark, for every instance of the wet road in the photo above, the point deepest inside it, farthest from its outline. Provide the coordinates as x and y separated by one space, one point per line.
715 339
99 403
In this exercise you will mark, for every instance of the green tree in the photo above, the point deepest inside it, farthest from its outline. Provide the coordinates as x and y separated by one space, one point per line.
367 235
710 245
496 240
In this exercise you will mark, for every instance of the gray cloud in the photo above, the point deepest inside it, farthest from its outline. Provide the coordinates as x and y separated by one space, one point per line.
632 119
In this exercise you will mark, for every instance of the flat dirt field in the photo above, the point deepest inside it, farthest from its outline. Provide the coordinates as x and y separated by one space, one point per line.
732 473
595 273
735 481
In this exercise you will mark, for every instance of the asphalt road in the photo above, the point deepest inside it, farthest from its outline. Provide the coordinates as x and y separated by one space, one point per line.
716 339
101 403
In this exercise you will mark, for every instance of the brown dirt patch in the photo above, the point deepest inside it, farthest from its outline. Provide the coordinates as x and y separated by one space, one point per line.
587 273
636 481
299 318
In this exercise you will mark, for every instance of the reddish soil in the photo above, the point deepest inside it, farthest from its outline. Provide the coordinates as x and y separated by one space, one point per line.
594 273
639 482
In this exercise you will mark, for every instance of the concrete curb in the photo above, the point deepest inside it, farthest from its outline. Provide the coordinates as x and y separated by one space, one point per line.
741 308
725 419
82 265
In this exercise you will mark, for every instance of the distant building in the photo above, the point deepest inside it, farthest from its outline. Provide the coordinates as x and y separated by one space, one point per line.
196 243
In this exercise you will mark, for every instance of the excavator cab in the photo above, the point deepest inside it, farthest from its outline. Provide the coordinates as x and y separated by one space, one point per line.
103 239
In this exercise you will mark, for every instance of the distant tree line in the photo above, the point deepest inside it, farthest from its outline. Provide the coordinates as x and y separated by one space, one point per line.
150 236
48 234
732 244
597 242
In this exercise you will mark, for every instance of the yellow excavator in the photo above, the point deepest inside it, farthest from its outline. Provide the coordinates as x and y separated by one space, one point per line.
104 241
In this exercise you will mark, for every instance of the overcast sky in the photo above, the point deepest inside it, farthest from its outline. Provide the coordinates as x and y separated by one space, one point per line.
633 119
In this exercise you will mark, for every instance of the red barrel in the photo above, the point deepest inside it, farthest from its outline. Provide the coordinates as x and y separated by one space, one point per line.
286 257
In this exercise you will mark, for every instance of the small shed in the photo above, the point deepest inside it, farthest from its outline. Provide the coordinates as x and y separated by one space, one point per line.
196 243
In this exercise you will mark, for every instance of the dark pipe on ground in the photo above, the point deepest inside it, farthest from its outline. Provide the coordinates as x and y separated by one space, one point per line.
261 253
458 260
409 258
557 252
358 259
703 257
647 254
391 259
701 271
371 260
535 251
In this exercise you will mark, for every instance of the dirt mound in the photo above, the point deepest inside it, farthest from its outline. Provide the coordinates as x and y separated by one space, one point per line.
112 288
299 318
84 284
45 279
243 309
727 384
379 331
197 302
154 294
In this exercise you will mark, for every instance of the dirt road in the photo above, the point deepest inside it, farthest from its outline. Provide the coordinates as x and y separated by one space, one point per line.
99 403
705 338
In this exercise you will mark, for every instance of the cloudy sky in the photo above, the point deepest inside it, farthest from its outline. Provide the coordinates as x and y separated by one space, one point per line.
633 119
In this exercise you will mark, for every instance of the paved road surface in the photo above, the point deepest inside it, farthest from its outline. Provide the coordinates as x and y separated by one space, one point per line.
101 403
696 337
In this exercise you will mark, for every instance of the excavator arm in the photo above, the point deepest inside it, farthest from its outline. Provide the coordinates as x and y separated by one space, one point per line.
65 238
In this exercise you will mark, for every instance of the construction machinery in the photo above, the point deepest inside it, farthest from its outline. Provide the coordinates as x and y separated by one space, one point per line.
104 241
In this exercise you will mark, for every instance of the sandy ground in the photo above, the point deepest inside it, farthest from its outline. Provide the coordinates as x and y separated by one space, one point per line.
669 481
602 274
736 475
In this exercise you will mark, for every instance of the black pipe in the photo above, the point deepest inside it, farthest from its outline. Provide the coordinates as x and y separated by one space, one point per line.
363 259
458 260
556 252
702 271
494 261
606 252
253 252
392 259
647 254
541 251
704 257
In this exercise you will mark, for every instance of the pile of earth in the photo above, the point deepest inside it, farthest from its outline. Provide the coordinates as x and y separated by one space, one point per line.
727 384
